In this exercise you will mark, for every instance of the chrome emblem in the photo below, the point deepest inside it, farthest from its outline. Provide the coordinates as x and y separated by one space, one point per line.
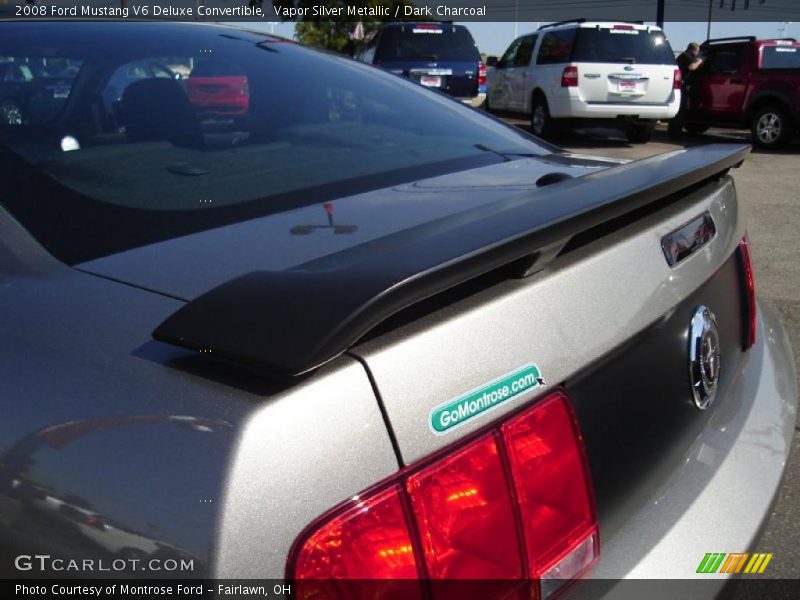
704 357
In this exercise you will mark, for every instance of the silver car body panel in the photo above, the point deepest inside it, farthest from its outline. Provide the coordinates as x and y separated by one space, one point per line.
562 319
298 456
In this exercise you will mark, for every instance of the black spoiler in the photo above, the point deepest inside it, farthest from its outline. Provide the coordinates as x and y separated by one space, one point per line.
290 322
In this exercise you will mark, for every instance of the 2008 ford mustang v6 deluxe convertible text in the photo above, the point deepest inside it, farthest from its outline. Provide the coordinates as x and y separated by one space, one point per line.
359 331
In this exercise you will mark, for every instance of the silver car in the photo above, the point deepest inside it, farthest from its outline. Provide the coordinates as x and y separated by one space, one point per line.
367 339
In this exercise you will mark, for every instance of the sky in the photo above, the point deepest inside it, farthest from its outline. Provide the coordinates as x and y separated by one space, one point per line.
494 38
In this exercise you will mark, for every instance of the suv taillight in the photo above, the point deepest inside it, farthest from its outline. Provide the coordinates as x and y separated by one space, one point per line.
750 292
569 78
481 74
514 503
677 79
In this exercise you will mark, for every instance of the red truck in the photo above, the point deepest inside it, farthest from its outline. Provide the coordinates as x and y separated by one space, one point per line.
745 82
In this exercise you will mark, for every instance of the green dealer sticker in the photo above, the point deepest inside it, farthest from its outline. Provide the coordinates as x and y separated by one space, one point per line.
466 407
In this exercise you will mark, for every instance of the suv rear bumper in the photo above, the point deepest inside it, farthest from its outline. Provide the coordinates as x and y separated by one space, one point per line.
475 101
728 478
575 107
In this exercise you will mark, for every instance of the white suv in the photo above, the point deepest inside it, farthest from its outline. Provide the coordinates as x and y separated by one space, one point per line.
581 72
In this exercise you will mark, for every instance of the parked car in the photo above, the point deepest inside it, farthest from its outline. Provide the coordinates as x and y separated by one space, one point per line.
441 56
513 364
747 83
588 73
32 89
218 87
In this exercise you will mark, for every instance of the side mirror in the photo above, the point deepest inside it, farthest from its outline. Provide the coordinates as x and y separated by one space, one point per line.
491 61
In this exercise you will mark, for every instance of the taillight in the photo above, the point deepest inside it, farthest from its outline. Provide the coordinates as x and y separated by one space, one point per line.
569 78
677 79
481 74
750 292
460 502
513 504
552 486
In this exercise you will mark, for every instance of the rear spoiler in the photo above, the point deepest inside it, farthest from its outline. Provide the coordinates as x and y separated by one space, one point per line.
290 322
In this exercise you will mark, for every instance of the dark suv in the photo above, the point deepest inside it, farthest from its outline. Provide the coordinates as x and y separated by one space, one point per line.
441 56
745 82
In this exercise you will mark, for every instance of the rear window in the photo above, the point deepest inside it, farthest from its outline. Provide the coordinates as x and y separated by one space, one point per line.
425 41
622 44
556 47
142 153
780 57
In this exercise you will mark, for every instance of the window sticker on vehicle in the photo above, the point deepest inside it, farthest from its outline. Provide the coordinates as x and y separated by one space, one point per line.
451 414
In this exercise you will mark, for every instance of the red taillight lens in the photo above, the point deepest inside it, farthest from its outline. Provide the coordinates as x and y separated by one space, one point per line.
750 292
481 74
370 540
569 78
460 502
514 503
677 79
551 479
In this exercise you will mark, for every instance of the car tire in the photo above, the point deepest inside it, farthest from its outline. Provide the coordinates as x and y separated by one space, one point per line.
542 124
695 128
10 113
640 134
771 127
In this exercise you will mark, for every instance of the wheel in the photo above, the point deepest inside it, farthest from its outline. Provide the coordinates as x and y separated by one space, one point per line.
542 124
640 134
771 127
695 128
10 113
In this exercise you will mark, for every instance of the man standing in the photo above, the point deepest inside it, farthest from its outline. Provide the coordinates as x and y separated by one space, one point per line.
688 63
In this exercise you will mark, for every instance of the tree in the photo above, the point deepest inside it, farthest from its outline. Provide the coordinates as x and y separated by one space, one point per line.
333 35
339 32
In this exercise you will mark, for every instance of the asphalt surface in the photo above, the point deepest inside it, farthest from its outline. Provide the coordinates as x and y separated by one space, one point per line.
769 185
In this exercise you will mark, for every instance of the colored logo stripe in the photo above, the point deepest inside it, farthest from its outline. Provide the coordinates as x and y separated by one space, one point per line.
710 562
734 562
758 563
713 562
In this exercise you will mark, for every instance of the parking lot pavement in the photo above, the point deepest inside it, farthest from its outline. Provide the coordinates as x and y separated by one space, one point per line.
769 185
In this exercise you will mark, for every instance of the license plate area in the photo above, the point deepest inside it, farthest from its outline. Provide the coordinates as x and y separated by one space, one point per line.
431 80
627 84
